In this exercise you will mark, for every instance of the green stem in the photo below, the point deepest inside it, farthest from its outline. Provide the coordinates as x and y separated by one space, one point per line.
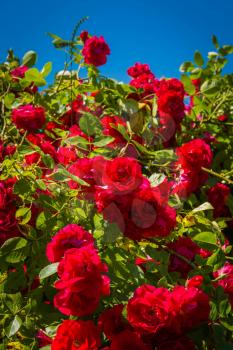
211 172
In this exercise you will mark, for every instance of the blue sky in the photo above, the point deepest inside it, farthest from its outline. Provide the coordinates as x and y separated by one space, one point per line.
162 33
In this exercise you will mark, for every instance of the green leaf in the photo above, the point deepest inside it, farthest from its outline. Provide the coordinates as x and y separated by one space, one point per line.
156 179
206 237
46 69
24 215
111 233
41 185
34 76
210 87
215 41
198 59
78 141
14 326
9 99
224 308
188 85
202 207
41 221
48 161
48 270
90 124
14 302
185 67
14 250
29 59
104 141
217 259
66 175
228 326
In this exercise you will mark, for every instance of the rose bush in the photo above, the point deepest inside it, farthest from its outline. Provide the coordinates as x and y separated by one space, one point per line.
115 204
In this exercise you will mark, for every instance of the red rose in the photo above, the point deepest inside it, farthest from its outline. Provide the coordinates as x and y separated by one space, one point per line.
141 215
8 222
122 175
110 124
149 215
147 82
226 282
191 308
70 236
89 170
195 154
188 249
218 196
95 51
72 335
48 148
195 281
66 155
3 195
81 283
149 309
112 322
171 85
19 72
138 69
84 36
128 340
43 339
171 104
32 158
28 117
222 118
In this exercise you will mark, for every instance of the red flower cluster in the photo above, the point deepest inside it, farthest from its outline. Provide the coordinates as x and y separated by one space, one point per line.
71 335
127 199
192 156
28 117
70 236
152 310
8 222
7 150
143 78
170 106
218 196
227 281
95 51
19 72
78 270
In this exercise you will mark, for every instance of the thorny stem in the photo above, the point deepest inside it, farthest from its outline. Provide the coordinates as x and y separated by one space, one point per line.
213 173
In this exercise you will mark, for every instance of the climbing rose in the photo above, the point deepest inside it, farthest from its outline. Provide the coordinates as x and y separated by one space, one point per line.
188 249
81 283
112 322
226 282
195 154
138 69
74 335
28 117
195 281
191 308
148 309
70 236
218 196
95 51
128 340
122 175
